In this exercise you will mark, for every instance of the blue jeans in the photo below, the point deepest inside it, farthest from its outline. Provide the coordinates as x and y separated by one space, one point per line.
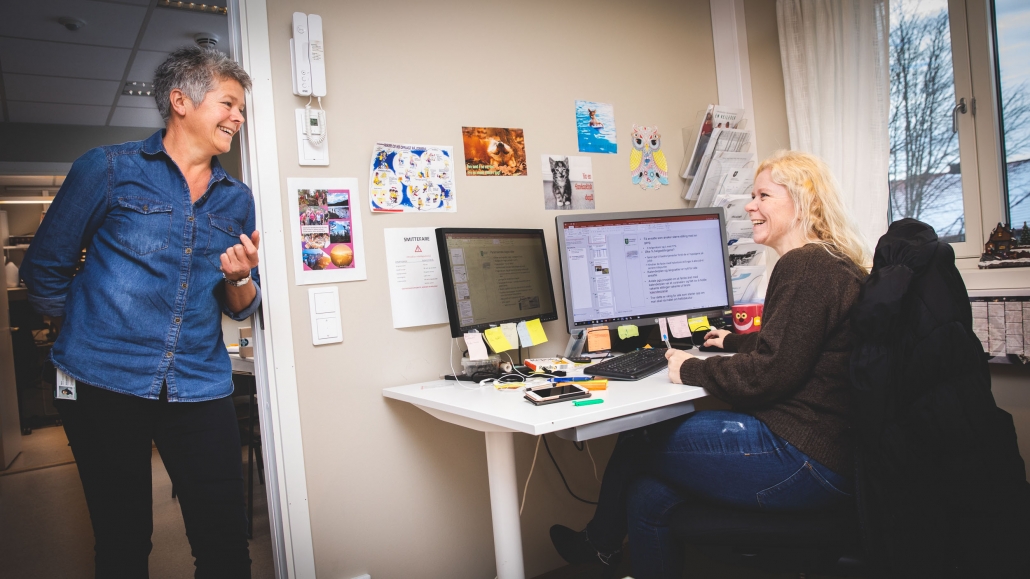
726 457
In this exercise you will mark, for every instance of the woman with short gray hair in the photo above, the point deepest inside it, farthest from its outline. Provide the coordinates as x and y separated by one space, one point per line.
164 228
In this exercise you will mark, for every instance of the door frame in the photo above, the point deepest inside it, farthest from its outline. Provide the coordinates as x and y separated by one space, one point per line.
274 366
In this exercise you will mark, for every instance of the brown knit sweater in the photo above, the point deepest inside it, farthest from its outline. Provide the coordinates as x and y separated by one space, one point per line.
793 374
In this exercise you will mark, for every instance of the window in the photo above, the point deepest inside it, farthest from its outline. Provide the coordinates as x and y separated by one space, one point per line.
925 166
960 117
1011 19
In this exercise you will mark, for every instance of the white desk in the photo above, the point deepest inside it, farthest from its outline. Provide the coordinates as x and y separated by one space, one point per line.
500 413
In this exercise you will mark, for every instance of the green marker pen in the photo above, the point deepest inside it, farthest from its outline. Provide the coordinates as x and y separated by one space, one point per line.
587 402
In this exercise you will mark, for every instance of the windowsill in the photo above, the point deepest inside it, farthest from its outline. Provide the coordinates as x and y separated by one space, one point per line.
1003 280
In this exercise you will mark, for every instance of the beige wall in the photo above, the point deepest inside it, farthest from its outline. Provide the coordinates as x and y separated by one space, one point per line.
393 491
770 101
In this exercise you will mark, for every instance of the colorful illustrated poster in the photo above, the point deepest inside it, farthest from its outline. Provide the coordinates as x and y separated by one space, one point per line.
326 230
568 182
493 151
411 178
595 125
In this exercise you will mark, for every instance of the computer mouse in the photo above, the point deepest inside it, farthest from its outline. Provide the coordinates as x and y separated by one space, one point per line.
709 349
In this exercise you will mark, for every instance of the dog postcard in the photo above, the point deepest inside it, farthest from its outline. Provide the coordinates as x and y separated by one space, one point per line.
494 151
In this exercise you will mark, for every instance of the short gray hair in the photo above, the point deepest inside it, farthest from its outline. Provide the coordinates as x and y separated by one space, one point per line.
193 70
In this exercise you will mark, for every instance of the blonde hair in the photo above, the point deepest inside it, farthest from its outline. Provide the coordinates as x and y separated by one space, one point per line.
818 206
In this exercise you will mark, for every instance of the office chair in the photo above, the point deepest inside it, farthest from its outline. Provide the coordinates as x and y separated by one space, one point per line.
817 542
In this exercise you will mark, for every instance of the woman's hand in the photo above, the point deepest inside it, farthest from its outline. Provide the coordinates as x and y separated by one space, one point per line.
715 337
238 260
676 359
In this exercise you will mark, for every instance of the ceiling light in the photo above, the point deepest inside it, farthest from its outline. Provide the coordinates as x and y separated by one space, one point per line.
136 88
206 39
192 6
70 23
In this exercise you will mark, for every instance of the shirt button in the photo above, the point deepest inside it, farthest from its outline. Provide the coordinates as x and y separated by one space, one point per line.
168 354
178 320
189 250
190 218
183 286
146 208
230 229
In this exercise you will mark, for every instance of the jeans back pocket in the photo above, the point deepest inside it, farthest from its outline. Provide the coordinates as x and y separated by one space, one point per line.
144 225
804 490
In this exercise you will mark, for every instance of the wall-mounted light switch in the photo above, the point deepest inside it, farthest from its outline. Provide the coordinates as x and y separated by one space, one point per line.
325 315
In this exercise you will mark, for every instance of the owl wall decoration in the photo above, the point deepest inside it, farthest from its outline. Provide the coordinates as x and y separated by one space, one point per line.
647 163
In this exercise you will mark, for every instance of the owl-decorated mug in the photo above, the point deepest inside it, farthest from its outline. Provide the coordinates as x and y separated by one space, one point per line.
747 318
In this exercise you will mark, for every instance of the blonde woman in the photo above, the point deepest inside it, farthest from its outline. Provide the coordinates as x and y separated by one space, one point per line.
785 444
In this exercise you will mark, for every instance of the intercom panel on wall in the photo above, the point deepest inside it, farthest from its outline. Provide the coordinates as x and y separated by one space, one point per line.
307 60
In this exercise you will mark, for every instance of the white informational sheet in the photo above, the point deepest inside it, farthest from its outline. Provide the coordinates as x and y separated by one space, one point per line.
416 282
325 227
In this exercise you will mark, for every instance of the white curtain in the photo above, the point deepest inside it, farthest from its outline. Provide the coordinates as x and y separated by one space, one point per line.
836 78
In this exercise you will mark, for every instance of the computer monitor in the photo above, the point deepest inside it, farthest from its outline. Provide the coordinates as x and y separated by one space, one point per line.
495 276
631 268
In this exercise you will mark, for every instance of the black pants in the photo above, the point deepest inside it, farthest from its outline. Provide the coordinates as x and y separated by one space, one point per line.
199 443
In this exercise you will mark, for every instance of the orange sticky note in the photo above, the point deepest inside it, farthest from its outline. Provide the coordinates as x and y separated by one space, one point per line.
598 339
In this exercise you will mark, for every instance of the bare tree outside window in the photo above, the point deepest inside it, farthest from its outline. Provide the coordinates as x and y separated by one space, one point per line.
925 171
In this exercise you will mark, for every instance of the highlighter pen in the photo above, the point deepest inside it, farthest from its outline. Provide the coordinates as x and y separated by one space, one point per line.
665 332
571 379
587 402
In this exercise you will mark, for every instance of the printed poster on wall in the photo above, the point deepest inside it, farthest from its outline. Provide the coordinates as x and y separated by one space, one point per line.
493 151
568 182
411 178
595 127
325 217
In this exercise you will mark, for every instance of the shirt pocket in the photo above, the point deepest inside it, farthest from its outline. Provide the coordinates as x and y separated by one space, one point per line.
222 233
144 225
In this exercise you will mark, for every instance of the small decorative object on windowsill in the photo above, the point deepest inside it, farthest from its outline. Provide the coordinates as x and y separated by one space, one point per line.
1005 249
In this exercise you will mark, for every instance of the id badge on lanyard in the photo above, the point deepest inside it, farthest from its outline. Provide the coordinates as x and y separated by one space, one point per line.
65 386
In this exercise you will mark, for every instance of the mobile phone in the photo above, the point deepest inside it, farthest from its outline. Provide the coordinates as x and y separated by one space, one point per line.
549 393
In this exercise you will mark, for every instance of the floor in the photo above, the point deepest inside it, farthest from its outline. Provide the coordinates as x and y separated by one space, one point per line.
695 565
45 529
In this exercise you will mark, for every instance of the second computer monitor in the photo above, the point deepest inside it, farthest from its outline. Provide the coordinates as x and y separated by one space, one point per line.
630 268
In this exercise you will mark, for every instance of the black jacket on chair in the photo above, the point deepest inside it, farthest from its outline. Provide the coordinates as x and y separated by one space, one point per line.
944 489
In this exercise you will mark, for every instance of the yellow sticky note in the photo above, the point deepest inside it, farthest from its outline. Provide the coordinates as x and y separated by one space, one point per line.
696 323
536 331
495 337
628 331
598 339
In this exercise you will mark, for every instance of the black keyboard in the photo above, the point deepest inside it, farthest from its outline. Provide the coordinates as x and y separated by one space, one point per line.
632 366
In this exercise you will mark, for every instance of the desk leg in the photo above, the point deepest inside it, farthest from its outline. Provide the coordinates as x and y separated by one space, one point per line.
504 505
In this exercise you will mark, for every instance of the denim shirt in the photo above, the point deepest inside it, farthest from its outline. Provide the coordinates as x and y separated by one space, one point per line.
145 308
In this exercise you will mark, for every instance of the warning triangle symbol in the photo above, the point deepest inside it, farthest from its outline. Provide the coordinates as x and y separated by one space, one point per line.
418 249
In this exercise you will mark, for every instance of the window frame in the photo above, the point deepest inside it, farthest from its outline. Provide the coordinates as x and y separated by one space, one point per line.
975 63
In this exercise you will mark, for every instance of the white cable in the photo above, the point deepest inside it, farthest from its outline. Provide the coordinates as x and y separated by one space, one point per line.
315 139
525 489
586 443
450 361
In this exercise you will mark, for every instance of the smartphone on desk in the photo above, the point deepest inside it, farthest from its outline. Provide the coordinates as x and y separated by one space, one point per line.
551 393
